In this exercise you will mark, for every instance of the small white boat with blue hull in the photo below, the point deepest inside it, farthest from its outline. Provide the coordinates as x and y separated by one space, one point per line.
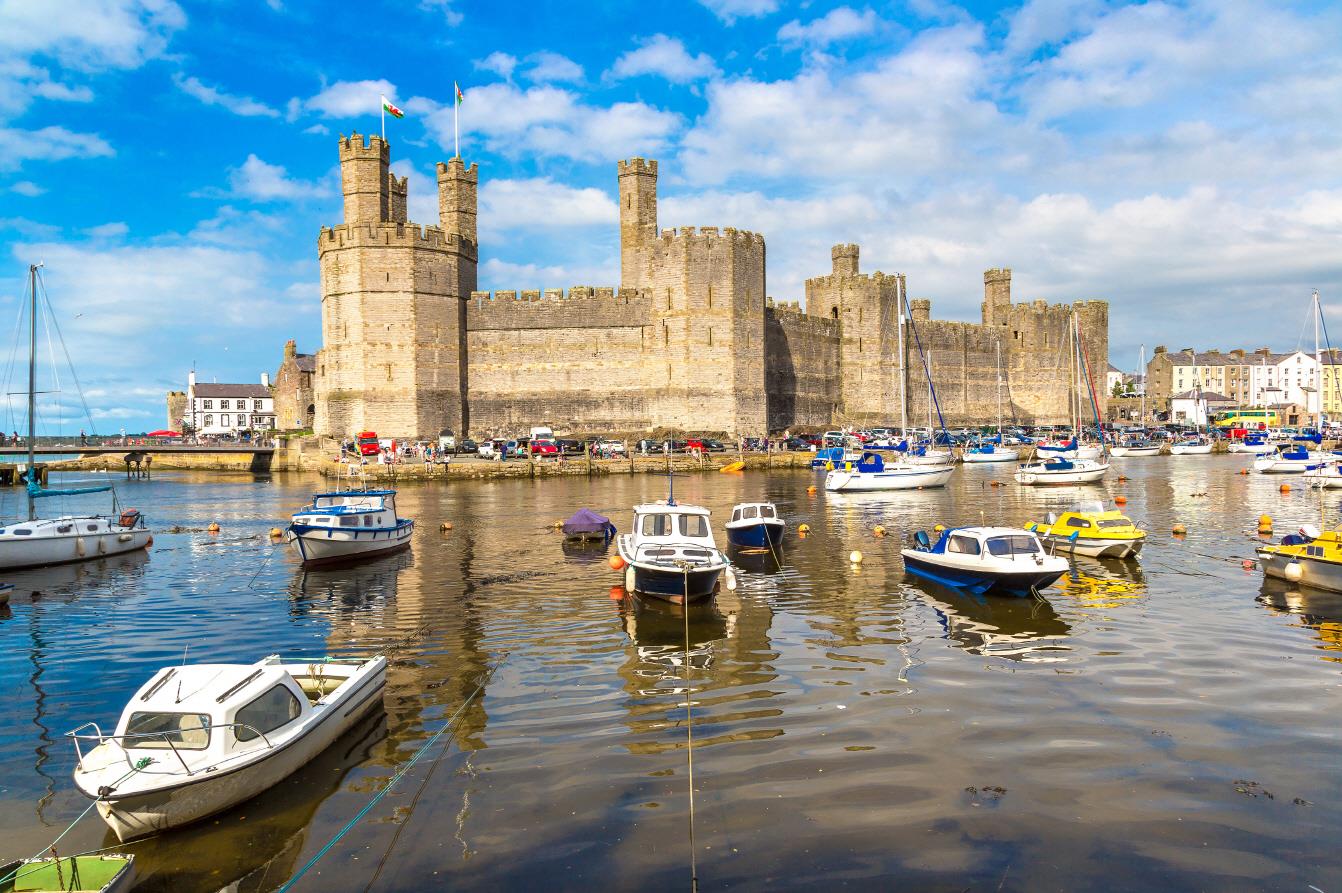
985 560
671 554
348 525
755 525
871 473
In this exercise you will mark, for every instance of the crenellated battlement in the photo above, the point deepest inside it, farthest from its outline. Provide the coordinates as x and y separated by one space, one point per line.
709 233
637 165
392 235
356 146
457 169
505 298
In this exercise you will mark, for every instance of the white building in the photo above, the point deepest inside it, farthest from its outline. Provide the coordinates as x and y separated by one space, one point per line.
213 408
1197 407
1258 379
1115 378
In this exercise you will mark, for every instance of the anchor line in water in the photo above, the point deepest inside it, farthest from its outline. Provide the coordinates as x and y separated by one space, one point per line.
689 726
400 773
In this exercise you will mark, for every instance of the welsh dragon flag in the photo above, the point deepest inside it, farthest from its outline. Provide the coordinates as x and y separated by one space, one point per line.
461 97
391 109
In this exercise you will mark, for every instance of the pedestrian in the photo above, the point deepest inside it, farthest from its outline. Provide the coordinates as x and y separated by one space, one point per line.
123 436
82 439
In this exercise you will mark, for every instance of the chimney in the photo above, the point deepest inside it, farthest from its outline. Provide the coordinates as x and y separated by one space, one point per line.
191 382
265 379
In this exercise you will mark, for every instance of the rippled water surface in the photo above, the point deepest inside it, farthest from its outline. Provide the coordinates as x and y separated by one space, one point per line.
1168 725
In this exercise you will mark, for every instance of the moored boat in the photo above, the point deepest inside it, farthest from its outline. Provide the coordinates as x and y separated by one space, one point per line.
1325 475
872 473
348 525
1311 558
1134 447
755 525
1291 458
1191 446
985 560
586 526
670 553
1087 528
91 873
988 451
196 740
1060 471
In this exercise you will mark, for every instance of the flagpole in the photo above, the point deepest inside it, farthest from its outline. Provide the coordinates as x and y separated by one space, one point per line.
456 110
384 119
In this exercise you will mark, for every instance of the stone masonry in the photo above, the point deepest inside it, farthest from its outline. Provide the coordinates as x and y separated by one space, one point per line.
688 340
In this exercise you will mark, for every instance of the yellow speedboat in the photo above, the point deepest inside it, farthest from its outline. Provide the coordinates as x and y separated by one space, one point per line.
1089 529
1310 559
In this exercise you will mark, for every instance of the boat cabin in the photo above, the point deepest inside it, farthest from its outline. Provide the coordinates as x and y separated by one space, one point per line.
997 542
350 508
665 533
749 512
192 717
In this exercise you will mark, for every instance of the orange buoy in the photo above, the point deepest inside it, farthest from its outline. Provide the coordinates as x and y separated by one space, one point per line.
1179 530
1122 478
1247 564
803 529
616 563
1120 500
995 484
214 527
879 530
446 525
1286 488
810 489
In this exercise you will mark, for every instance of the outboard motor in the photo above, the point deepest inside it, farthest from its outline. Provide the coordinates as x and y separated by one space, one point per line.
921 539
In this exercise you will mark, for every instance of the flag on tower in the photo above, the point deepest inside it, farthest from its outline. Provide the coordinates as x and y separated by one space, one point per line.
461 97
391 109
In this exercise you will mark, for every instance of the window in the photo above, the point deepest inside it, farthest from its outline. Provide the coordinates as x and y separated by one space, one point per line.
656 525
256 405
367 520
963 545
1012 545
267 713
696 525
207 404
209 421
349 521
1077 522
766 511
752 512
22 531
188 731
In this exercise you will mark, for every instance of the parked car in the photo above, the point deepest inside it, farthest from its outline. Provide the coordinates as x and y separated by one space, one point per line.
467 446
797 444
609 447
571 447
714 446
755 444
650 447
492 449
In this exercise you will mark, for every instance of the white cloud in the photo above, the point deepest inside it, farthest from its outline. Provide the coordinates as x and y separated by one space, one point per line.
238 105
666 57
259 181
496 274
48 144
840 23
547 67
541 203
445 8
22 82
550 121
30 229
113 230
90 34
731 10
498 62
28 188
350 99
319 129
234 228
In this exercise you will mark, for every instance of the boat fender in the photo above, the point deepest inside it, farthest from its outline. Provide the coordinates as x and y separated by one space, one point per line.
1294 572
102 546
629 579
731 580
123 538
149 542
79 546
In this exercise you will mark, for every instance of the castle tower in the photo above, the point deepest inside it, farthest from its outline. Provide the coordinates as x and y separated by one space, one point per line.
866 307
392 356
364 178
996 297
638 218
456 199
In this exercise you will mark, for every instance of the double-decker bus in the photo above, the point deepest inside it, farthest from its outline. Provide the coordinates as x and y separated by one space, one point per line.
1250 419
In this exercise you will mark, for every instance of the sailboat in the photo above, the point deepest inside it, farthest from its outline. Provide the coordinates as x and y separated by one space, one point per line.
1064 469
1296 458
38 542
992 450
871 472
1133 445
1199 444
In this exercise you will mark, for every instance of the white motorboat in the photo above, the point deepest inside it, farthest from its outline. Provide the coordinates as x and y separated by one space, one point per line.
1256 446
872 473
196 740
988 451
1070 450
755 525
1198 446
1287 459
68 538
347 525
1326 475
670 553
985 560
1060 471
1134 448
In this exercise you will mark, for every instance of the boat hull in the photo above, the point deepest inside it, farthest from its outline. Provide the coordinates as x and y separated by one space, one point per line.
1198 449
1081 452
759 535
1253 449
1124 451
1037 477
1316 574
43 551
674 585
317 546
1094 548
914 478
997 455
1268 465
1019 583
201 796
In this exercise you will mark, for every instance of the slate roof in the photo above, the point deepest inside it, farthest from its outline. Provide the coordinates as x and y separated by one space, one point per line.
254 391
306 362
1209 396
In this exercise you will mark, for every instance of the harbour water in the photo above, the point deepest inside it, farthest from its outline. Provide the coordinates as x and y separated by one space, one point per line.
1168 725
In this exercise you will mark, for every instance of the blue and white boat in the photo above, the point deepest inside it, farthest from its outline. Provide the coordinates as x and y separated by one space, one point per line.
347 525
990 450
985 560
670 553
1292 458
872 473
755 525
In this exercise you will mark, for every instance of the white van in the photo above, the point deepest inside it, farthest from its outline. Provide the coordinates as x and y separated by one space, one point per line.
542 433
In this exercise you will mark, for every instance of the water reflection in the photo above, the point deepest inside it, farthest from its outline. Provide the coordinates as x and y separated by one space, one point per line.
1023 629
1103 582
1318 611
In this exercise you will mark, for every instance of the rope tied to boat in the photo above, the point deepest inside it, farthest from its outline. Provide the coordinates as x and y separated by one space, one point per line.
689 724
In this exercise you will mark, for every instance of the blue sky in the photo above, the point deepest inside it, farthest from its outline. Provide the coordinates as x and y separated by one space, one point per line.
172 163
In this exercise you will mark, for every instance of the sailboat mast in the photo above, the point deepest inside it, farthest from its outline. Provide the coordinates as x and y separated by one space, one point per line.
903 372
1141 362
1318 364
32 380
929 397
998 347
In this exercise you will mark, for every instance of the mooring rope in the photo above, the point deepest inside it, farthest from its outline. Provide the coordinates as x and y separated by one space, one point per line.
689 727
400 773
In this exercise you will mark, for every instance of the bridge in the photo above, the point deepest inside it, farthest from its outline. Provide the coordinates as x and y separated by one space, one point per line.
103 449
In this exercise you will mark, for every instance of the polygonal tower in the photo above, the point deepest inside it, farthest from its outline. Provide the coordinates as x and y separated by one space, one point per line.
638 218
393 345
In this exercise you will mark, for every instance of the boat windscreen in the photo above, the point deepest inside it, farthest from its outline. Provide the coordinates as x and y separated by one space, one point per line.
1085 506
1012 545
694 525
185 731
1115 522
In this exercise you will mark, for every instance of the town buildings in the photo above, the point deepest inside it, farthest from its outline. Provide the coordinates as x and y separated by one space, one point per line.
295 402
690 339
224 409
1289 381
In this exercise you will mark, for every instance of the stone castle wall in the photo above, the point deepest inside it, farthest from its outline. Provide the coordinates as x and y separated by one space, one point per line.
801 357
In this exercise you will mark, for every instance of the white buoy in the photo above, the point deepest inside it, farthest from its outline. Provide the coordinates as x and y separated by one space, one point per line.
1294 572
855 557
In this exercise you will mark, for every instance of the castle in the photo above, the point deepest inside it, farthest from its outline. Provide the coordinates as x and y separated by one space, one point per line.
689 340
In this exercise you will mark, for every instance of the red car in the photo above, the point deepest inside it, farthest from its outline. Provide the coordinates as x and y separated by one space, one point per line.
544 448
